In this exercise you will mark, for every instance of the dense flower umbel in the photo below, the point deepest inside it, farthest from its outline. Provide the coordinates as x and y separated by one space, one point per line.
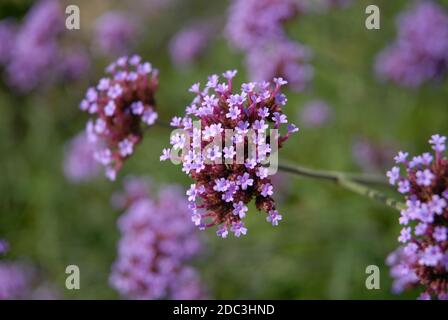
284 58
190 43
35 48
420 53
79 163
253 23
115 32
156 243
121 103
224 184
424 256
14 283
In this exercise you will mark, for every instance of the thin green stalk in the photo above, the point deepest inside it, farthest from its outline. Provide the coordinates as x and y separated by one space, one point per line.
371 193
354 182
334 176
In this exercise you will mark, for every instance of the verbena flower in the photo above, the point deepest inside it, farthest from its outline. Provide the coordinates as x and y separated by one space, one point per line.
32 52
315 113
115 32
155 246
4 247
252 23
371 155
189 43
35 47
7 36
79 162
14 282
282 58
121 103
423 258
227 179
420 53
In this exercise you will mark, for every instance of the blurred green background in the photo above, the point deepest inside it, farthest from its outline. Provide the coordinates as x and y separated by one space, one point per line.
327 237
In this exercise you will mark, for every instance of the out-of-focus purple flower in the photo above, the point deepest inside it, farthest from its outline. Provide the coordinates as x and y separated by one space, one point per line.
4 246
8 30
156 243
116 32
14 282
79 163
315 113
283 58
189 43
372 156
423 257
35 50
225 182
74 64
122 103
420 53
252 23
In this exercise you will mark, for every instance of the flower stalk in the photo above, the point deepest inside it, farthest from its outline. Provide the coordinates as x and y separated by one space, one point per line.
357 183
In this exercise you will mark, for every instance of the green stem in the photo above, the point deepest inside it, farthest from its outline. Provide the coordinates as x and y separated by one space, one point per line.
353 182
334 176
371 193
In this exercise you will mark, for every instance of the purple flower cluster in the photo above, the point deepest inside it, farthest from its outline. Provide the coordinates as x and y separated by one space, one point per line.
282 58
14 283
4 247
31 52
269 52
79 163
372 155
115 32
121 103
423 258
253 23
7 36
189 44
420 53
156 244
315 113
222 189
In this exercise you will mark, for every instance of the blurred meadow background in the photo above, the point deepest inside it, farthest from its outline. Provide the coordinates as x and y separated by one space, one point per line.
328 236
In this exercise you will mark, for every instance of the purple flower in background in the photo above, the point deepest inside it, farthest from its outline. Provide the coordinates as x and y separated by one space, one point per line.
35 49
115 32
8 31
79 162
221 192
74 64
14 282
422 259
371 155
189 43
315 113
157 241
121 102
420 53
252 23
4 247
286 59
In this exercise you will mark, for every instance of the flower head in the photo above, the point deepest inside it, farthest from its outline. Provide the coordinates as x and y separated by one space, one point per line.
121 103
79 163
156 243
424 255
420 53
115 32
245 31
226 180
